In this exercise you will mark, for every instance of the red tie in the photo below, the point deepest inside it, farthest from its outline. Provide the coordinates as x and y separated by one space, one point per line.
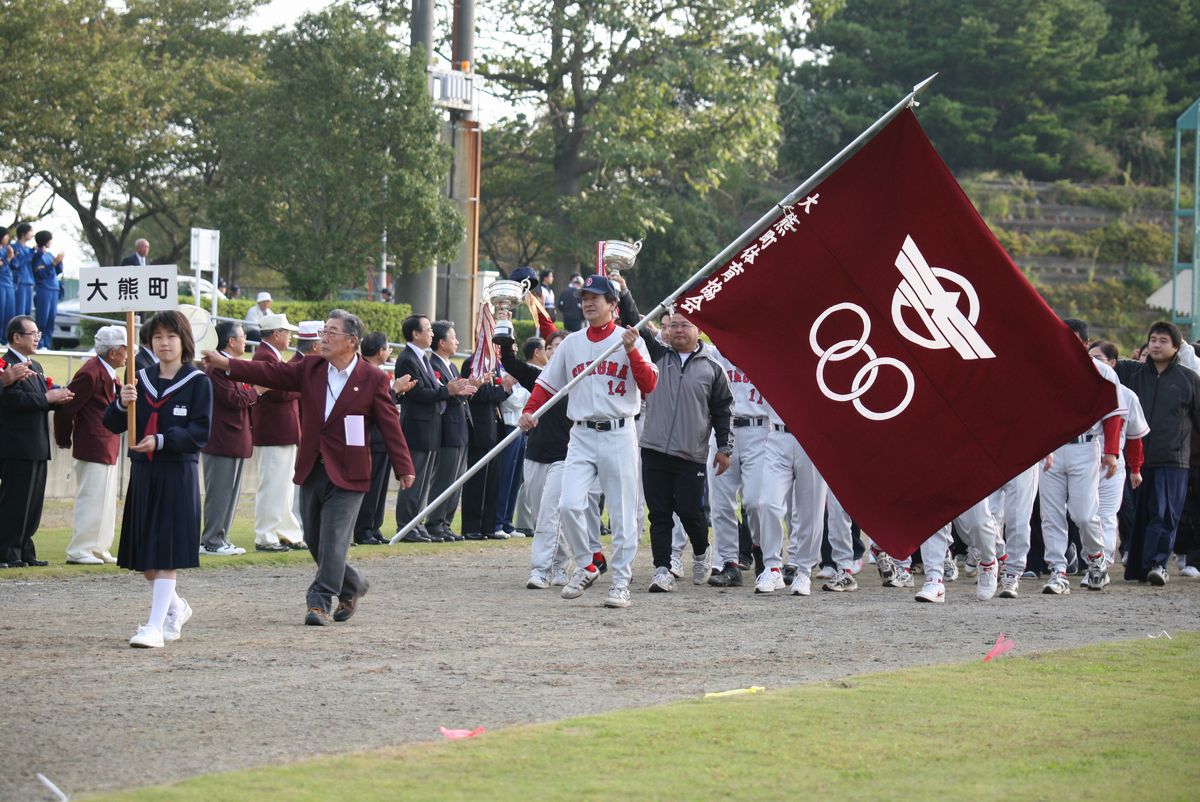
152 423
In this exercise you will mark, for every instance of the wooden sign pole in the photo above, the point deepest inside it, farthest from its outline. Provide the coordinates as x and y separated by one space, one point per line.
129 377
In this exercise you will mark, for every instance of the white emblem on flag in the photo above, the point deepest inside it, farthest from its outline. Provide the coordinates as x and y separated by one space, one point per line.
923 291
864 380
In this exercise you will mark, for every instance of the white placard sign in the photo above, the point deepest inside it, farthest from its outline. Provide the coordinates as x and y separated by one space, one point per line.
130 288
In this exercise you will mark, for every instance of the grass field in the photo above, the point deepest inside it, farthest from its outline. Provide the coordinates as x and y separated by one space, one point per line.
54 535
1108 722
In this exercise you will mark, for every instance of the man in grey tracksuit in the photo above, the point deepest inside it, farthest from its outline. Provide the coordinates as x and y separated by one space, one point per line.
691 400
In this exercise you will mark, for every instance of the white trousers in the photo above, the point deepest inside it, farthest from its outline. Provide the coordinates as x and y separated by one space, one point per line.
274 515
749 447
95 509
786 474
1112 492
1071 486
933 553
841 538
614 459
543 486
979 529
1012 506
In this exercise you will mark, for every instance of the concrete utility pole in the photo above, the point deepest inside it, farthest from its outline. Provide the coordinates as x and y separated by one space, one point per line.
454 293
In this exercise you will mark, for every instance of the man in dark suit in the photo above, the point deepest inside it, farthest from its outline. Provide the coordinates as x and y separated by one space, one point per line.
79 425
276 423
487 426
24 446
341 397
230 444
421 411
140 256
452 453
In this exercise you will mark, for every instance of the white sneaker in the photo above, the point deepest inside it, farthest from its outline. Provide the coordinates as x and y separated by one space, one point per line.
856 567
801 584
227 550
85 559
677 564
618 596
932 591
1190 571
663 582
147 637
173 627
843 582
559 577
1010 586
581 580
886 567
702 567
537 581
1057 585
985 585
827 572
769 581
106 557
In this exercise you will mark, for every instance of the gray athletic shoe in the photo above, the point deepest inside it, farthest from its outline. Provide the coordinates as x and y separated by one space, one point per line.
676 564
702 567
1157 576
1010 586
949 568
1057 585
581 580
663 582
886 567
844 582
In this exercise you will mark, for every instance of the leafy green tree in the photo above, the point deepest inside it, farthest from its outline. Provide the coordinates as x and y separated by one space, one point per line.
1048 88
338 143
112 109
638 103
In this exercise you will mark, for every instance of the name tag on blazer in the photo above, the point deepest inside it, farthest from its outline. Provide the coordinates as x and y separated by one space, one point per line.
355 430
180 411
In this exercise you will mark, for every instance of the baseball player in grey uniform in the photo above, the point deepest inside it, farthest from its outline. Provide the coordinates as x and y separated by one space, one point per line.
603 438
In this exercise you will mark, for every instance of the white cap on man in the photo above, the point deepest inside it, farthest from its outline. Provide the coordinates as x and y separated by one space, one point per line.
263 296
275 320
110 337
309 329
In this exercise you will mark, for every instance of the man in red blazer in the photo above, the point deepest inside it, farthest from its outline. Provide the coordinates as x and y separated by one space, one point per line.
276 421
230 443
341 396
78 425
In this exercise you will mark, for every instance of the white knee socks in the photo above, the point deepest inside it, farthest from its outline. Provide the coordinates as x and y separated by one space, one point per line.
162 595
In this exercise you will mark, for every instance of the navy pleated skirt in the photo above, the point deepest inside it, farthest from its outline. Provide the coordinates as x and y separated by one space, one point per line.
160 528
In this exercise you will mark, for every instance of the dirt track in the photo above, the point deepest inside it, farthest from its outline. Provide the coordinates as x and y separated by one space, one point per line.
453 640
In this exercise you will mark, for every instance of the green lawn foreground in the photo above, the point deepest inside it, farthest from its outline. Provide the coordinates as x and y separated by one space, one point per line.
1107 722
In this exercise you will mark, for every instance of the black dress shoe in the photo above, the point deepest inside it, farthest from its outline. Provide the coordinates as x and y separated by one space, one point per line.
36 563
451 536
270 547
476 536
415 537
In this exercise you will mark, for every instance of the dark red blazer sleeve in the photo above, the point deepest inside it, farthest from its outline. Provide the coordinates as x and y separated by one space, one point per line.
82 384
276 375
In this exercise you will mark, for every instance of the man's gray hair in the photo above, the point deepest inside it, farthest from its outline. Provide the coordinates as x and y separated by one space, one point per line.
352 324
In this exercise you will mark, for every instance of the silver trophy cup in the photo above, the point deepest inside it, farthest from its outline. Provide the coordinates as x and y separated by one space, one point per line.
503 295
620 255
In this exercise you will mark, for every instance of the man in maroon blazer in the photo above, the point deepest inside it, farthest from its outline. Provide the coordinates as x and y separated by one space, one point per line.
341 396
78 425
276 420
230 443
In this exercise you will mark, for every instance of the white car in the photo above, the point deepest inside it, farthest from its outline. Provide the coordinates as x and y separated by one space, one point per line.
66 323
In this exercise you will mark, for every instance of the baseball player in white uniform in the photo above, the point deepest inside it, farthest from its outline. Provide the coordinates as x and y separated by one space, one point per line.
785 470
751 425
1012 505
1072 485
603 439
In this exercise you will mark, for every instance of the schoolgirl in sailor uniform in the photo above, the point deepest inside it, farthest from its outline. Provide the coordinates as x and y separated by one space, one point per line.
160 527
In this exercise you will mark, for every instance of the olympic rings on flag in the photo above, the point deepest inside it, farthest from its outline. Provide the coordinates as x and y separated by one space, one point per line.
864 380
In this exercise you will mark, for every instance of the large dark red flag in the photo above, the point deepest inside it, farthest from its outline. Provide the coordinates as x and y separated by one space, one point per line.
897 339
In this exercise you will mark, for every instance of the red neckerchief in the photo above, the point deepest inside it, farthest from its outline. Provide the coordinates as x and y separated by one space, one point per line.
152 423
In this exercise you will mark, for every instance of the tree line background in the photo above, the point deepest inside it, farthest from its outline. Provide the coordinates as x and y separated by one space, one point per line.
672 122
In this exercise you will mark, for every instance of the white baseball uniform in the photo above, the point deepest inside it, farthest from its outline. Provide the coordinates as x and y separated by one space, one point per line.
1072 485
1112 490
785 471
1012 506
603 443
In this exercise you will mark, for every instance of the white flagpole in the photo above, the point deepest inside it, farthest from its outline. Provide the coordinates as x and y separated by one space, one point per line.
718 260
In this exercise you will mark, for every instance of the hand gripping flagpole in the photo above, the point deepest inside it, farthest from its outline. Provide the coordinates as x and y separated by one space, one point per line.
721 258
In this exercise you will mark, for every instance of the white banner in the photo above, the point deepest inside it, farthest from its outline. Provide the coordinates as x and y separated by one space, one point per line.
130 288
